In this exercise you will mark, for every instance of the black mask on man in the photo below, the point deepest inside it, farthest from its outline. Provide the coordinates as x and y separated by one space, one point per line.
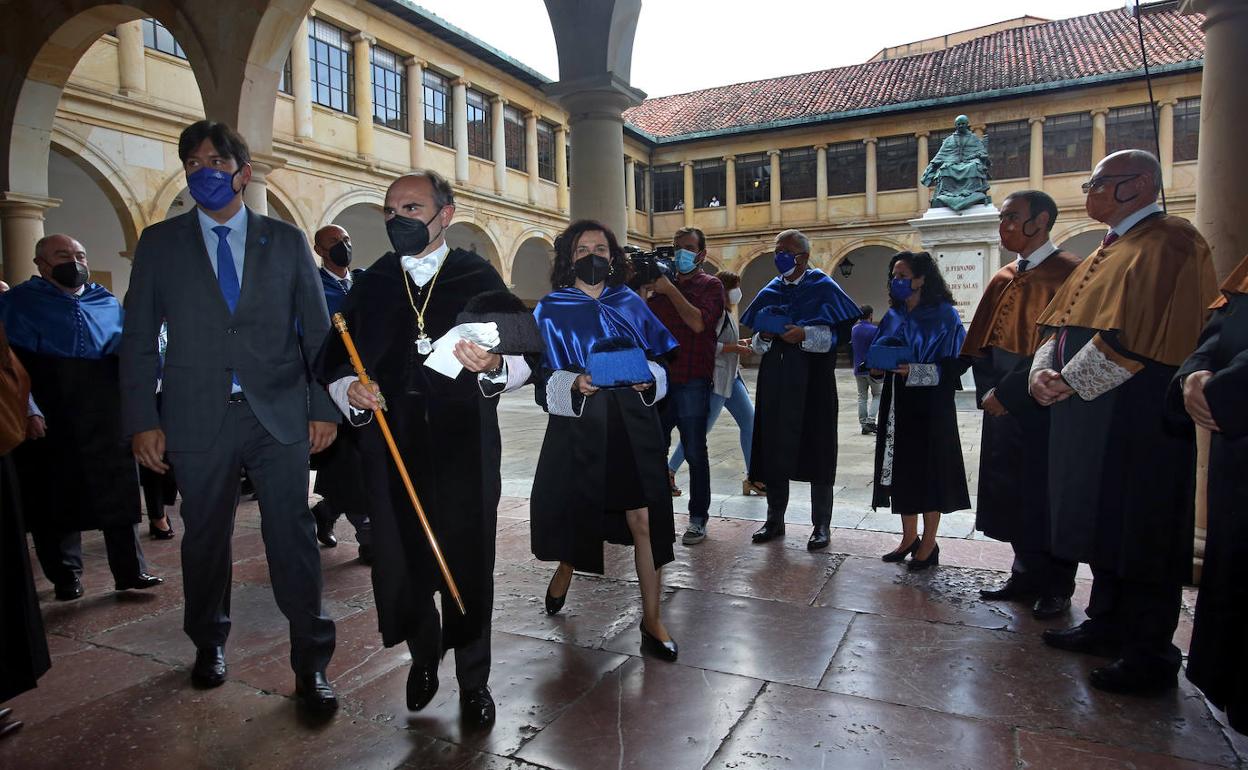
408 236
340 253
71 275
592 269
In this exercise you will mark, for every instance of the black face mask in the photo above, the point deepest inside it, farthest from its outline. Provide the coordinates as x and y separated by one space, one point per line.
408 236
593 269
340 253
71 275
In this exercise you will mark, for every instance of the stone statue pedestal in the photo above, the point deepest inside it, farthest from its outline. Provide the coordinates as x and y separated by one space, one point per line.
967 247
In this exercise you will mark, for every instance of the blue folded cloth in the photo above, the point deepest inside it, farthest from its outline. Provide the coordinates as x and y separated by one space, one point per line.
887 352
772 320
616 362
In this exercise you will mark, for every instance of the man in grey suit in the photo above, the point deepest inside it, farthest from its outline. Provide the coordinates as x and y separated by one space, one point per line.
245 312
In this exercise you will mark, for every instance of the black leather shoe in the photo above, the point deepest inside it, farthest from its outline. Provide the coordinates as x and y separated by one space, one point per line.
422 685
1013 590
324 524
209 668
67 592
554 603
901 554
8 728
156 533
650 645
138 582
366 555
1080 639
476 707
770 530
315 694
819 538
1121 677
918 565
1047 607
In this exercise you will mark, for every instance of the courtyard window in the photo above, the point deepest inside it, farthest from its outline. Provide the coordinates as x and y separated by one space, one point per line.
708 183
437 110
478 105
896 164
545 151
753 178
668 184
1129 128
1186 128
797 173
389 89
513 136
1009 147
847 168
284 83
639 185
1068 143
157 37
329 53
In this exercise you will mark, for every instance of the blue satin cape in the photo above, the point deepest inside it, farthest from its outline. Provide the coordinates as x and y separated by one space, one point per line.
816 300
571 321
42 318
934 332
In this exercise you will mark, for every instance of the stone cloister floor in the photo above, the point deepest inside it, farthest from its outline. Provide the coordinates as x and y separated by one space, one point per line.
787 659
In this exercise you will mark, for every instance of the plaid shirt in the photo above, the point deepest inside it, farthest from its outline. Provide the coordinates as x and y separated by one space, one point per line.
695 359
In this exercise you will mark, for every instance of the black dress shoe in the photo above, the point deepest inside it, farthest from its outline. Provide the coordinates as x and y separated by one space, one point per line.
902 553
819 538
650 645
156 533
366 554
1121 677
1080 639
67 592
554 603
209 668
476 707
138 582
325 524
770 530
315 694
1013 590
918 565
1047 607
8 728
4 713
422 685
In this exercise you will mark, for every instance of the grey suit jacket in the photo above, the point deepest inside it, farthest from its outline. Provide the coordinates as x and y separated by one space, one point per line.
275 332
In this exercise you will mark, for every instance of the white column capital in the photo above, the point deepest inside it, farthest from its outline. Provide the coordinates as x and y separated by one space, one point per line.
922 134
1101 111
415 61
1169 101
686 163
870 141
730 158
363 37
1034 121
461 83
498 101
772 153
823 146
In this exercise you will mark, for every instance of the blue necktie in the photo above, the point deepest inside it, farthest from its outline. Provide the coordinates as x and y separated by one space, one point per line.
227 274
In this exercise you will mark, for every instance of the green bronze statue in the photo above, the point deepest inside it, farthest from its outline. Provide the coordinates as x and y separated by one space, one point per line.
959 172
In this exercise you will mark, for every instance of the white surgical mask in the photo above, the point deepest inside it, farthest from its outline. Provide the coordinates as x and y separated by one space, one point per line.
734 296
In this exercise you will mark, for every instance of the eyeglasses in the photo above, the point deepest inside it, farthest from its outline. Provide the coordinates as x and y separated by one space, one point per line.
1098 182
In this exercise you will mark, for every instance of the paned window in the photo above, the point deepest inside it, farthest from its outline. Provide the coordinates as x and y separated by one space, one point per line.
669 188
546 151
158 37
329 53
639 185
847 168
1186 128
513 135
389 89
437 110
896 164
708 183
1068 143
1009 147
284 84
798 173
1130 128
478 124
753 178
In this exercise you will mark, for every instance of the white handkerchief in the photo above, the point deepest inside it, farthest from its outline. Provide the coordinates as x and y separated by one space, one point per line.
443 361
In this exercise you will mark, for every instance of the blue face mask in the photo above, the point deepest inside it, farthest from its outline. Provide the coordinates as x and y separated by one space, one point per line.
900 289
686 261
786 263
211 188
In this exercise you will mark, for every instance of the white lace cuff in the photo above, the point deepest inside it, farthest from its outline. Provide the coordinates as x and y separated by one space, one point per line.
338 393
1091 373
515 373
759 345
659 391
559 399
923 376
1044 357
818 339
32 409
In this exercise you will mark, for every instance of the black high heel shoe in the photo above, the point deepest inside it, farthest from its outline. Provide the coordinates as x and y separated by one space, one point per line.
156 533
555 603
650 645
933 559
900 555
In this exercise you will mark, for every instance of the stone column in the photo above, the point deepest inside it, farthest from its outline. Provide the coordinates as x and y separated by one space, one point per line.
1035 177
416 111
920 144
821 182
301 82
500 144
561 167
459 128
363 95
872 183
687 188
730 190
131 64
774 157
21 226
630 189
530 154
256 195
1098 135
1165 140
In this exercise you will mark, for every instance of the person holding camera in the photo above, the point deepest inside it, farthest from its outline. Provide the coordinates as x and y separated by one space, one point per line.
797 319
691 308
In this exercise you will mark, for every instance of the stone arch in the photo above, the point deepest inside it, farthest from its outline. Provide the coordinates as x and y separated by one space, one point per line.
91 212
282 206
251 107
868 284
835 257
111 181
374 198
366 226
1081 240
468 234
756 272
530 265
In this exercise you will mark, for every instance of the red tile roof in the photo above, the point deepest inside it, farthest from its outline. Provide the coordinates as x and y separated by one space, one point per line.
1098 44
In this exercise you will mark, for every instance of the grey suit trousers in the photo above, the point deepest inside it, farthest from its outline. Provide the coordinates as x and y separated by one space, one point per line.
209 483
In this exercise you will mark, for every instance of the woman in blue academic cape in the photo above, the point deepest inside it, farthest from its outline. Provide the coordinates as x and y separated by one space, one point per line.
602 473
918 456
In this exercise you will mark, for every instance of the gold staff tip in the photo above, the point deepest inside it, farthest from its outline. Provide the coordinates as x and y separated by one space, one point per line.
340 323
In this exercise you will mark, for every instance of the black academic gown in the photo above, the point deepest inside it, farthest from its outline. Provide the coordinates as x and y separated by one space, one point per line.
447 432
339 470
1217 664
23 644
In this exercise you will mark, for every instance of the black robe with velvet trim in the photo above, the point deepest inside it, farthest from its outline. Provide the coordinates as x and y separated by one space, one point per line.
23 644
447 432
1216 663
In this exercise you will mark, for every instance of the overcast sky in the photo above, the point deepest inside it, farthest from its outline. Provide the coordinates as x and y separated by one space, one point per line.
685 45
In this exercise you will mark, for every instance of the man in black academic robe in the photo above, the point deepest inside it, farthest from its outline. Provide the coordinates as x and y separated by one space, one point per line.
446 430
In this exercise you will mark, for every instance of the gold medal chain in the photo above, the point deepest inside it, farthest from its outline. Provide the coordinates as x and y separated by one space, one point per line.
420 314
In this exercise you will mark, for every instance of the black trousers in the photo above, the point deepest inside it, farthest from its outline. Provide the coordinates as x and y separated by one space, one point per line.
472 660
1140 616
820 502
209 483
60 553
1043 572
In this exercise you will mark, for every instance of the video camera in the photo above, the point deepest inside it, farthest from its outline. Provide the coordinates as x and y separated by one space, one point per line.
649 266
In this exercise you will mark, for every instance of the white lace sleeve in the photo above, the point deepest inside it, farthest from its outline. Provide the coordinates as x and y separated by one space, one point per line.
923 376
559 399
1044 356
759 345
659 391
1090 373
818 339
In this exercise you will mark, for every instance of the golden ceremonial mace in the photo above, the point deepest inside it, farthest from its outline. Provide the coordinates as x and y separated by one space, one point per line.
340 324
